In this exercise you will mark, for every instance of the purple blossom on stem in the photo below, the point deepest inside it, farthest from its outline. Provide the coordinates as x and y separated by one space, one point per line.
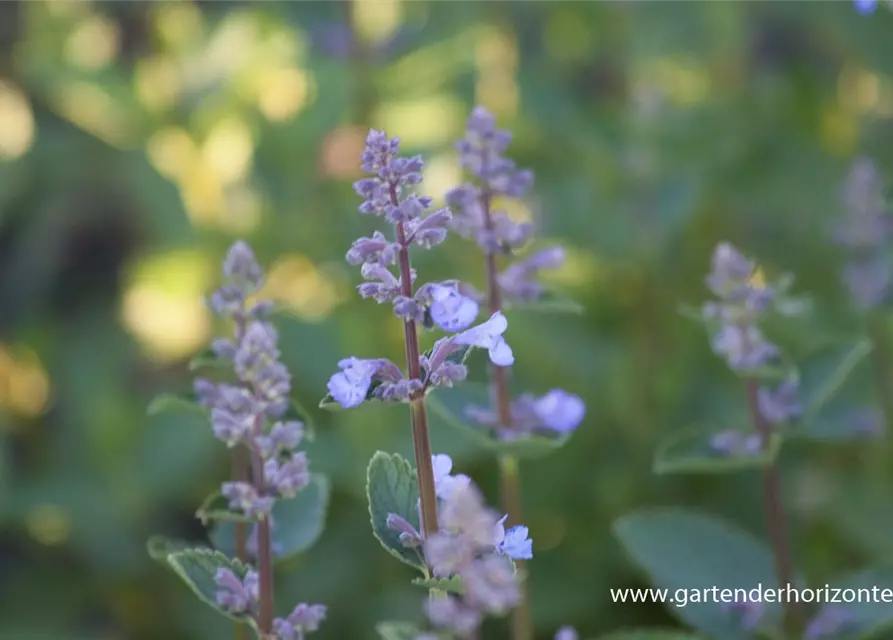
830 621
782 404
748 613
555 412
865 7
305 618
866 233
248 413
736 443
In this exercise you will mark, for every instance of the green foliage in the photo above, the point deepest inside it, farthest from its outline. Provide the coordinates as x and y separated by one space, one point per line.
197 568
397 630
169 402
160 547
690 452
450 585
870 616
649 634
548 302
824 374
687 550
392 487
298 522
450 405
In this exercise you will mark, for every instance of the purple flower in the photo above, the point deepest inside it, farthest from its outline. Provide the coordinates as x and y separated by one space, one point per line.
515 544
235 595
350 387
488 335
241 267
516 281
560 411
781 405
409 535
865 7
283 436
490 584
749 613
450 310
244 497
736 443
830 621
452 614
566 633
285 478
376 249
744 347
444 482
305 618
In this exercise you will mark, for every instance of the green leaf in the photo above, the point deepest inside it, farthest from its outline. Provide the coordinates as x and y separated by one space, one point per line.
870 615
197 568
397 630
649 634
548 302
824 374
451 585
169 402
690 452
160 547
298 522
392 487
216 508
450 405
681 550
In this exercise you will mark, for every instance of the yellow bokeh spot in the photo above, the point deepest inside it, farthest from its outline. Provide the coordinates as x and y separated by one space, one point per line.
163 306
48 524
24 385
839 131
281 93
203 194
16 122
377 20
442 173
158 83
340 150
580 269
295 282
178 23
858 89
92 109
757 279
228 150
683 81
93 43
423 122
172 152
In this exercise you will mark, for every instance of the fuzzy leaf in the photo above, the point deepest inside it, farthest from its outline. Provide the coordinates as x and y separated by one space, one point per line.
397 630
197 568
690 452
824 374
392 487
649 634
690 551
216 508
548 302
299 522
873 616
160 547
451 585
450 404
168 402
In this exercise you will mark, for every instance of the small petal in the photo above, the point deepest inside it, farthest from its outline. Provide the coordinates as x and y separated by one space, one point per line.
560 411
451 311
516 544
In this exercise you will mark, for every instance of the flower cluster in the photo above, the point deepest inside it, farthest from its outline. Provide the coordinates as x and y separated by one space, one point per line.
867 234
448 305
241 596
742 301
482 154
474 545
251 413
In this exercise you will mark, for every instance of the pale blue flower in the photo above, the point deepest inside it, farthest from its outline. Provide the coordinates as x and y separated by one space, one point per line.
515 544
566 633
444 483
865 7
488 335
450 310
560 411
350 386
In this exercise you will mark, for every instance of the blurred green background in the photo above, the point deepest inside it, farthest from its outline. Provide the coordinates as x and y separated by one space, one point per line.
139 139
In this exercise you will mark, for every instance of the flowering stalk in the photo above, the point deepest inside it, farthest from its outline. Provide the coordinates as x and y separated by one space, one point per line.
481 153
742 300
866 233
250 417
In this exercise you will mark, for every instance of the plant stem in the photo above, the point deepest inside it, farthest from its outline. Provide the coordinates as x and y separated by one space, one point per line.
241 462
509 483
776 520
418 413
264 557
883 367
